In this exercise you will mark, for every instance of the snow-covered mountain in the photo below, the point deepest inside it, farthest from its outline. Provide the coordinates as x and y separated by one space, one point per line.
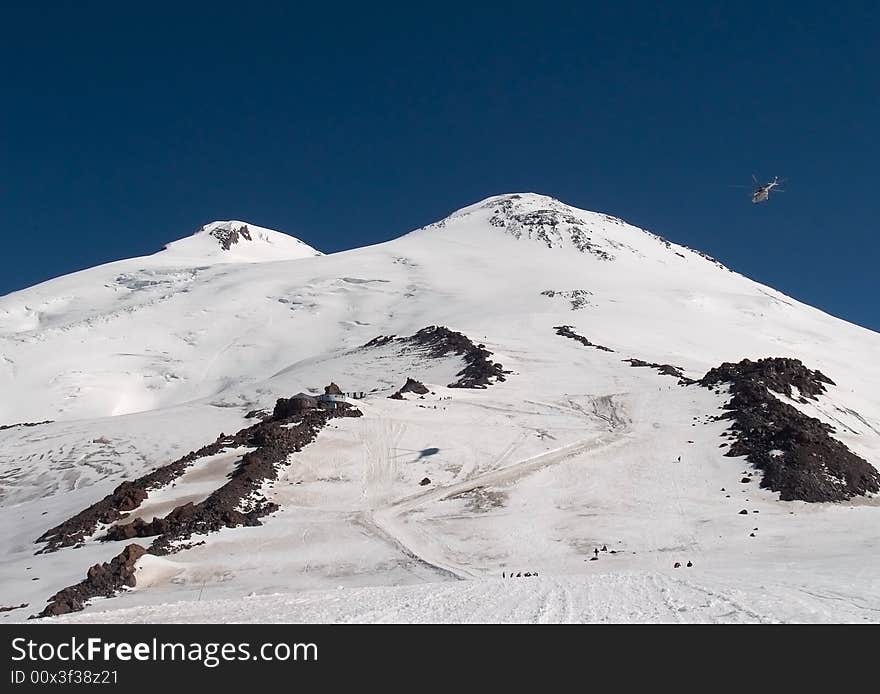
591 425
234 242
134 334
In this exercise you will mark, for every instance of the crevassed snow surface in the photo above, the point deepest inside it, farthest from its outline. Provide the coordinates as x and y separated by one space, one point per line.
142 360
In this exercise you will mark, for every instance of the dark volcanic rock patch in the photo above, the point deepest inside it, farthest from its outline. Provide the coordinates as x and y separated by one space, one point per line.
438 341
479 371
578 298
411 386
568 331
665 369
708 257
102 580
550 226
381 340
3 427
128 496
267 436
238 502
10 608
796 453
229 236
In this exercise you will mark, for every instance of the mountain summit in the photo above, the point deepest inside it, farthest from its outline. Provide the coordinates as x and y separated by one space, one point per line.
236 241
553 224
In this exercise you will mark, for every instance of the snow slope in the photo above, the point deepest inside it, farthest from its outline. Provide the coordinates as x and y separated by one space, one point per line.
138 334
142 360
632 597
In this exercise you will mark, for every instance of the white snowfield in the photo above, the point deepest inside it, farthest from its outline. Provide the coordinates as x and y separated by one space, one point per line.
143 360
622 596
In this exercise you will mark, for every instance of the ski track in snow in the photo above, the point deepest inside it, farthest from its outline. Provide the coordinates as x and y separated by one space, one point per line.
621 597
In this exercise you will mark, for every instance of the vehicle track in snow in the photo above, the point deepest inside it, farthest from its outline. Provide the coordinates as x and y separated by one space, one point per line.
417 542
630 597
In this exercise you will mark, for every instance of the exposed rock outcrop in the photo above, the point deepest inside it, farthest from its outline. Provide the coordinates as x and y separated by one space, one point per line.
578 298
796 453
126 497
23 424
665 369
272 441
438 341
230 235
568 331
555 225
239 501
411 386
102 580
479 371
10 608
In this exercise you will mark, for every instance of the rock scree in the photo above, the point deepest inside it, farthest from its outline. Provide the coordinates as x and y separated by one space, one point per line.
228 236
102 580
568 331
238 502
665 369
411 386
795 452
273 441
18 425
438 341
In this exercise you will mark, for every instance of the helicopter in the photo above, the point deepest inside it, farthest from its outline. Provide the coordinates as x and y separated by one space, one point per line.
761 191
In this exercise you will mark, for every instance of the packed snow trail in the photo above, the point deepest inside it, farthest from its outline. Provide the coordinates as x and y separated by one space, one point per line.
632 597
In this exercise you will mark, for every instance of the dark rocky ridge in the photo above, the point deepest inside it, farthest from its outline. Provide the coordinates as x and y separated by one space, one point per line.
267 434
479 370
234 504
438 341
550 226
229 236
127 497
708 257
568 331
381 340
10 608
3 427
578 298
102 580
411 386
665 369
796 453
238 502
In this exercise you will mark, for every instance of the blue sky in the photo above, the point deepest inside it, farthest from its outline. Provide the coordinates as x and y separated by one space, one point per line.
124 126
